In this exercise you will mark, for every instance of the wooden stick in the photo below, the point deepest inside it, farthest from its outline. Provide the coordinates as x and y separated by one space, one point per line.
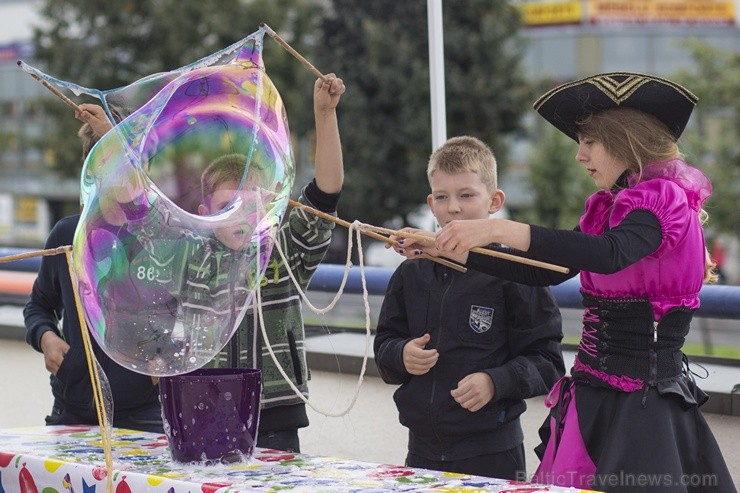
293 52
39 253
371 234
483 251
94 369
521 260
53 89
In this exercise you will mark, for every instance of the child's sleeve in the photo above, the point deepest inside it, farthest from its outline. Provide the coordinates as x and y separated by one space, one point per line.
534 332
306 238
392 333
44 307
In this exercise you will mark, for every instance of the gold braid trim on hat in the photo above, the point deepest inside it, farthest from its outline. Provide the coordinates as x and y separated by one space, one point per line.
615 90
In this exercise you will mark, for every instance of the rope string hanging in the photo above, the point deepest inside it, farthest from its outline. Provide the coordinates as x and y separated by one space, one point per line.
354 228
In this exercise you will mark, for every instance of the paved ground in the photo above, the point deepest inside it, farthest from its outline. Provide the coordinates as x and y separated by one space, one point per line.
370 431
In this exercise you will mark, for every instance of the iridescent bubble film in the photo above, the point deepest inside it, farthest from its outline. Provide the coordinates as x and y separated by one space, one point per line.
181 202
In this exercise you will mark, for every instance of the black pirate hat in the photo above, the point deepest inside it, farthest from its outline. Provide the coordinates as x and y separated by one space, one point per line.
570 103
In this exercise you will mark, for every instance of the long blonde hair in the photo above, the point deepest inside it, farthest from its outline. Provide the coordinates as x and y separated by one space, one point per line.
631 136
635 137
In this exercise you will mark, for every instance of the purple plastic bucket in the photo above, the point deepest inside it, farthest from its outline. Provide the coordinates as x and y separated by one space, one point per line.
211 414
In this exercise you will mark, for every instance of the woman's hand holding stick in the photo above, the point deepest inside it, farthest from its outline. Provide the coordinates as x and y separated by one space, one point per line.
483 251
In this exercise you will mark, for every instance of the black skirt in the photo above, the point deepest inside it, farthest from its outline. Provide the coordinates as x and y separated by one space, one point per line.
649 440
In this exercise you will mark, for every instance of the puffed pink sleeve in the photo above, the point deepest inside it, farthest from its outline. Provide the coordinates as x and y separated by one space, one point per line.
665 199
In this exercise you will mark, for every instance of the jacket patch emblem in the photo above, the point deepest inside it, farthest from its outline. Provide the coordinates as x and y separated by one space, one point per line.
481 318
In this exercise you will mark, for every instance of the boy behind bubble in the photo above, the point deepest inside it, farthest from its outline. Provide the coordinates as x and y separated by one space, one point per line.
304 239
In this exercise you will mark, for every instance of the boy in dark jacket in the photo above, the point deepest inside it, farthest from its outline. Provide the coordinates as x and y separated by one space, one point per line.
135 396
466 348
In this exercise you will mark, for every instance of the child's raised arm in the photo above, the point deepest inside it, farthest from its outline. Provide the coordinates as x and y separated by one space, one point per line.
329 164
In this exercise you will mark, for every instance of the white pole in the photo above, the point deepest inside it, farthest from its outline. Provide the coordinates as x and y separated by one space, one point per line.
437 73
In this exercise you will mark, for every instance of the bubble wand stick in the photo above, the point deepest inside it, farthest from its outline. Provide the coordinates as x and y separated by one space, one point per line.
378 232
482 251
53 89
292 51
372 234
39 253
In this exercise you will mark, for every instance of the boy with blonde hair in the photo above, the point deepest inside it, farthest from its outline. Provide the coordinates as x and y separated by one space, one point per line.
465 348
465 153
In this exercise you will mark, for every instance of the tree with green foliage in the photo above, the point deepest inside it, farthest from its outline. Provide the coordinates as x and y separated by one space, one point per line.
559 183
711 140
111 44
381 50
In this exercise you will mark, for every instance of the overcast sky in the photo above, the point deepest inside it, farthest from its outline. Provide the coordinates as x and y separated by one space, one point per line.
17 20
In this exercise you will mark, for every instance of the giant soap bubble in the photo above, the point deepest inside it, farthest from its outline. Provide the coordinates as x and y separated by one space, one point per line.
165 274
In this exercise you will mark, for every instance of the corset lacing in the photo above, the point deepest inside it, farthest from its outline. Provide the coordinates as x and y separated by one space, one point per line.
622 348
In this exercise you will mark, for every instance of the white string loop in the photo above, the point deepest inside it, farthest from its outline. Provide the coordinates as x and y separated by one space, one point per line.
354 228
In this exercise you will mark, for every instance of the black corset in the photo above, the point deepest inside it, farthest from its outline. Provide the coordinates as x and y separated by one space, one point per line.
620 339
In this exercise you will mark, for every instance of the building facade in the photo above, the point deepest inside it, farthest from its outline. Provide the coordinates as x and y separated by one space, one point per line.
577 38
27 193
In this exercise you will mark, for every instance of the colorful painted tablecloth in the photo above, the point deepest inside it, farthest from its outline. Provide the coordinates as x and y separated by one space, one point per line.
61 459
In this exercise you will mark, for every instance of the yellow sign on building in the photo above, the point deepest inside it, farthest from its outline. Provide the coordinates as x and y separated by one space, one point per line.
662 11
550 13
555 12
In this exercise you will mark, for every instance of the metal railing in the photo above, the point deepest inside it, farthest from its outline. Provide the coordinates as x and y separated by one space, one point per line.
721 302
717 301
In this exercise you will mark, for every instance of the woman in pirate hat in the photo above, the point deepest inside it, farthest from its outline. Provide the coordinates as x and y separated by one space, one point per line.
628 418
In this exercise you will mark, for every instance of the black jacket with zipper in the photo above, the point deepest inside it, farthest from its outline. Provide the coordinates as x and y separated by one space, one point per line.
477 323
